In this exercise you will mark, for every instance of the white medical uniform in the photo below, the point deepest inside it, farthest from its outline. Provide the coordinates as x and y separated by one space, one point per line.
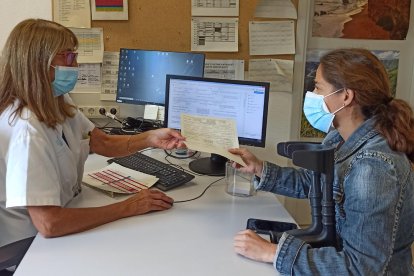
38 168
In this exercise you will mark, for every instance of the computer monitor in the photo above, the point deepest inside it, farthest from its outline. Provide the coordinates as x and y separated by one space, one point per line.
244 101
141 75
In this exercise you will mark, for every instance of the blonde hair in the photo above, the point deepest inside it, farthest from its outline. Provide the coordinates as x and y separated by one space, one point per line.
24 72
363 72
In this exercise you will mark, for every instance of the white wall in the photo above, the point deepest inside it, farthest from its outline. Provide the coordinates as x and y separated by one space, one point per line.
18 10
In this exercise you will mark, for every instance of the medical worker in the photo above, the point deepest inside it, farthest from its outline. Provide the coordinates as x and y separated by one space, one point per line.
45 140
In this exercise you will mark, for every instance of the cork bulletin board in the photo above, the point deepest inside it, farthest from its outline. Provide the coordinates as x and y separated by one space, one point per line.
166 26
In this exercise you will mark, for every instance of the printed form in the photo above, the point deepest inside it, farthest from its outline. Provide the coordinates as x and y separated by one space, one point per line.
90 44
276 9
89 78
271 37
215 8
110 66
278 72
212 135
224 69
72 13
213 34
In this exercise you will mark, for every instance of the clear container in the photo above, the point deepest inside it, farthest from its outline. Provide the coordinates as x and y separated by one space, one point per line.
238 183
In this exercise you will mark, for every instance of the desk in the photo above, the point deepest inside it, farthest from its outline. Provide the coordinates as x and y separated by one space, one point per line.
192 238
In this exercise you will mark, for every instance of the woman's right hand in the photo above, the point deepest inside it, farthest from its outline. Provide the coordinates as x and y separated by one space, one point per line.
56 221
252 246
146 201
254 165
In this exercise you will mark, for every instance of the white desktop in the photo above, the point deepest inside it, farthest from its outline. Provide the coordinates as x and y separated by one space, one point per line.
192 238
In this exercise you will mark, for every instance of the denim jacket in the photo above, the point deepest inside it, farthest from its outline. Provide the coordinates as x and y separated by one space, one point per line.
374 202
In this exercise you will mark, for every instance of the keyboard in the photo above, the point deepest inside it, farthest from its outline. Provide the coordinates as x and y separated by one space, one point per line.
169 176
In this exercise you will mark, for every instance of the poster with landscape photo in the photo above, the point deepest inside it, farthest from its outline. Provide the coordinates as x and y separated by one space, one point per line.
361 19
389 58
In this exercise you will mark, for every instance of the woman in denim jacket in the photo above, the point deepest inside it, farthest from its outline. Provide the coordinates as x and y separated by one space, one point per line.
374 180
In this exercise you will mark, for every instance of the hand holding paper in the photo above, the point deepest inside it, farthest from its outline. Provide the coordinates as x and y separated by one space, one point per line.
213 135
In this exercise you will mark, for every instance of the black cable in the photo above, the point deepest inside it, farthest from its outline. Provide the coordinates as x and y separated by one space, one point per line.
97 124
116 119
188 171
191 199
130 126
181 168
178 166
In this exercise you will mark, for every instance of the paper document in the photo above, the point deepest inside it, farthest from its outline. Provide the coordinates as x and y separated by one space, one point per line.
215 8
116 179
278 72
224 69
276 9
91 44
110 66
212 135
72 13
161 113
213 34
89 78
151 112
272 37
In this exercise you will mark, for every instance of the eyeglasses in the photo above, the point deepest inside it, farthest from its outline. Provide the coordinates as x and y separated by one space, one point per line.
70 57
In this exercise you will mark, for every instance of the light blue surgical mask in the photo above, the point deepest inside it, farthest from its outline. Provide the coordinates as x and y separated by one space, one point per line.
65 79
316 111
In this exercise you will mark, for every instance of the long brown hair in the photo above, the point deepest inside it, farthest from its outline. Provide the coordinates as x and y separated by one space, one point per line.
362 72
24 71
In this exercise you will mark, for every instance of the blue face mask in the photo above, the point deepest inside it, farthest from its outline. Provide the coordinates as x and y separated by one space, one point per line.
65 79
317 112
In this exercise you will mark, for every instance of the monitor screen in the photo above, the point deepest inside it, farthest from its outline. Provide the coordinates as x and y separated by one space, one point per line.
141 75
244 101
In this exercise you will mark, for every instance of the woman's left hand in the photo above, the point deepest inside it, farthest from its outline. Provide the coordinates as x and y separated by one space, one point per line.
165 138
252 246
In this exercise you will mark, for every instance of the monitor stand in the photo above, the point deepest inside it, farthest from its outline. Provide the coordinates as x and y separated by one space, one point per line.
214 165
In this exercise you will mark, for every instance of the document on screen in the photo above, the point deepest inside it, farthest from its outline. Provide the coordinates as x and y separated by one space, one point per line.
212 135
